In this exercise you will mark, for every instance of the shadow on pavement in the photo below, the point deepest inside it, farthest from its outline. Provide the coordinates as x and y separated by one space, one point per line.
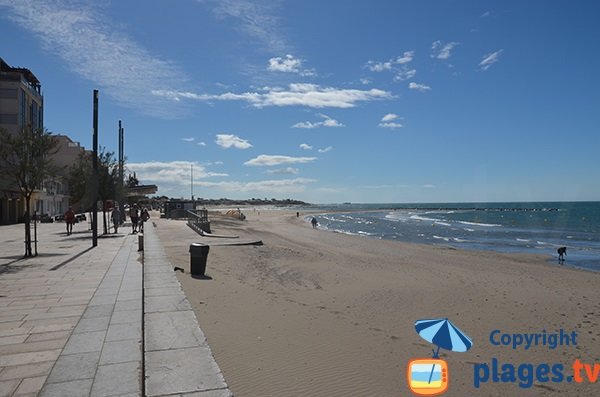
71 259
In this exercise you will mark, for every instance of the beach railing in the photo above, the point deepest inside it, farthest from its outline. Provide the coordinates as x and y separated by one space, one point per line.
198 220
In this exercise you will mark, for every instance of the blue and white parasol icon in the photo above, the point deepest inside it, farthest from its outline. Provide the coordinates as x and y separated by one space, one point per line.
442 333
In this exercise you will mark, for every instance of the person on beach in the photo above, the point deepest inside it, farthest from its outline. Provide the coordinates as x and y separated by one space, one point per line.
297 215
69 220
134 215
314 222
116 218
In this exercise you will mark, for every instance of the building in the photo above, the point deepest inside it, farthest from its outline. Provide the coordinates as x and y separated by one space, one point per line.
53 197
21 106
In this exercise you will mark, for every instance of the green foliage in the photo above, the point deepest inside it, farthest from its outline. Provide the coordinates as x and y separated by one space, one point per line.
25 158
81 181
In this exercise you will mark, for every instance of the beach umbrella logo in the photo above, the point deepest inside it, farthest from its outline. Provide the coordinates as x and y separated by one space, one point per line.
429 376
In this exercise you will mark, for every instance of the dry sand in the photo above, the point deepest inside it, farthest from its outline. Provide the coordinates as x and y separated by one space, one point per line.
316 313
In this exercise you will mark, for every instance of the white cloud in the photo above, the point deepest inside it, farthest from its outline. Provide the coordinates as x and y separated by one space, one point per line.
188 139
418 87
298 94
95 48
229 140
284 171
486 14
441 50
257 20
269 160
288 64
281 186
490 59
201 143
325 150
306 124
171 177
391 125
389 117
305 146
328 122
387 121
429 186
405 58
405 74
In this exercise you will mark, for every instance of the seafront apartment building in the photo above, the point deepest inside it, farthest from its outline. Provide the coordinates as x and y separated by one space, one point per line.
21 106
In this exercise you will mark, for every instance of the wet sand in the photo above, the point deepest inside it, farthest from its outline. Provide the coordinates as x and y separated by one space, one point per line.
316 313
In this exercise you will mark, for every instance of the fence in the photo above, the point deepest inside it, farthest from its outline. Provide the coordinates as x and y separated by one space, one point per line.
198 220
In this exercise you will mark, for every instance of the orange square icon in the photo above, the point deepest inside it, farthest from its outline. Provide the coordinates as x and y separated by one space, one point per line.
427 376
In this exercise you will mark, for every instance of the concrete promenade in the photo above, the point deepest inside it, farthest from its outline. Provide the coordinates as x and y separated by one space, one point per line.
107 321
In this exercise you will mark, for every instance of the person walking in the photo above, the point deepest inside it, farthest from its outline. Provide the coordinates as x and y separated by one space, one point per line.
144 216
314 222
116 218
135 216
69 220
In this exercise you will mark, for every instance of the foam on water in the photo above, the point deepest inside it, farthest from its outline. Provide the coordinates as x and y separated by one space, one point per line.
505 227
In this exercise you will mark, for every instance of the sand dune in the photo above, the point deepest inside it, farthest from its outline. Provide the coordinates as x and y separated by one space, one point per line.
315 313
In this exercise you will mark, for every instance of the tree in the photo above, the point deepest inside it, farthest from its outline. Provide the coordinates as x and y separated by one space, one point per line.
132 180
25 158
81 183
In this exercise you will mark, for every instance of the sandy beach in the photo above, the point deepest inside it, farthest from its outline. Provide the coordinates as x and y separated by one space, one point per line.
316 313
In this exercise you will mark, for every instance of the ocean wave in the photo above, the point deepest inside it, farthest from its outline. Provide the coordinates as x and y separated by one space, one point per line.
479 224
524 240
422 218
442 223
441 238
468 229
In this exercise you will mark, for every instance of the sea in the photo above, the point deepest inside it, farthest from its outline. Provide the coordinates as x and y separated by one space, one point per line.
533 227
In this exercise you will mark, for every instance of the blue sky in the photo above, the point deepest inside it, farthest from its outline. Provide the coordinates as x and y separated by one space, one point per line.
327 101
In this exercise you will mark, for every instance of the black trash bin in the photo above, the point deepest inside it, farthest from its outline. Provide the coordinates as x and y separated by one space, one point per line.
198 257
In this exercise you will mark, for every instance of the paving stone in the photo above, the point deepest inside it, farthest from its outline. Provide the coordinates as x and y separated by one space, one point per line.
7 387
85 342
117 379
182 371
124 331
26 370
172 330
30 386
133 304
9 340
92 324
126 316
74 367
209 393
103 300
52 328
15 331
28 358
121 352
77 388
135 294
162 291
99 311
32 347
166 303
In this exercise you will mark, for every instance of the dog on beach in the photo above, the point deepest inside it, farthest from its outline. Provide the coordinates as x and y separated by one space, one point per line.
562 252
